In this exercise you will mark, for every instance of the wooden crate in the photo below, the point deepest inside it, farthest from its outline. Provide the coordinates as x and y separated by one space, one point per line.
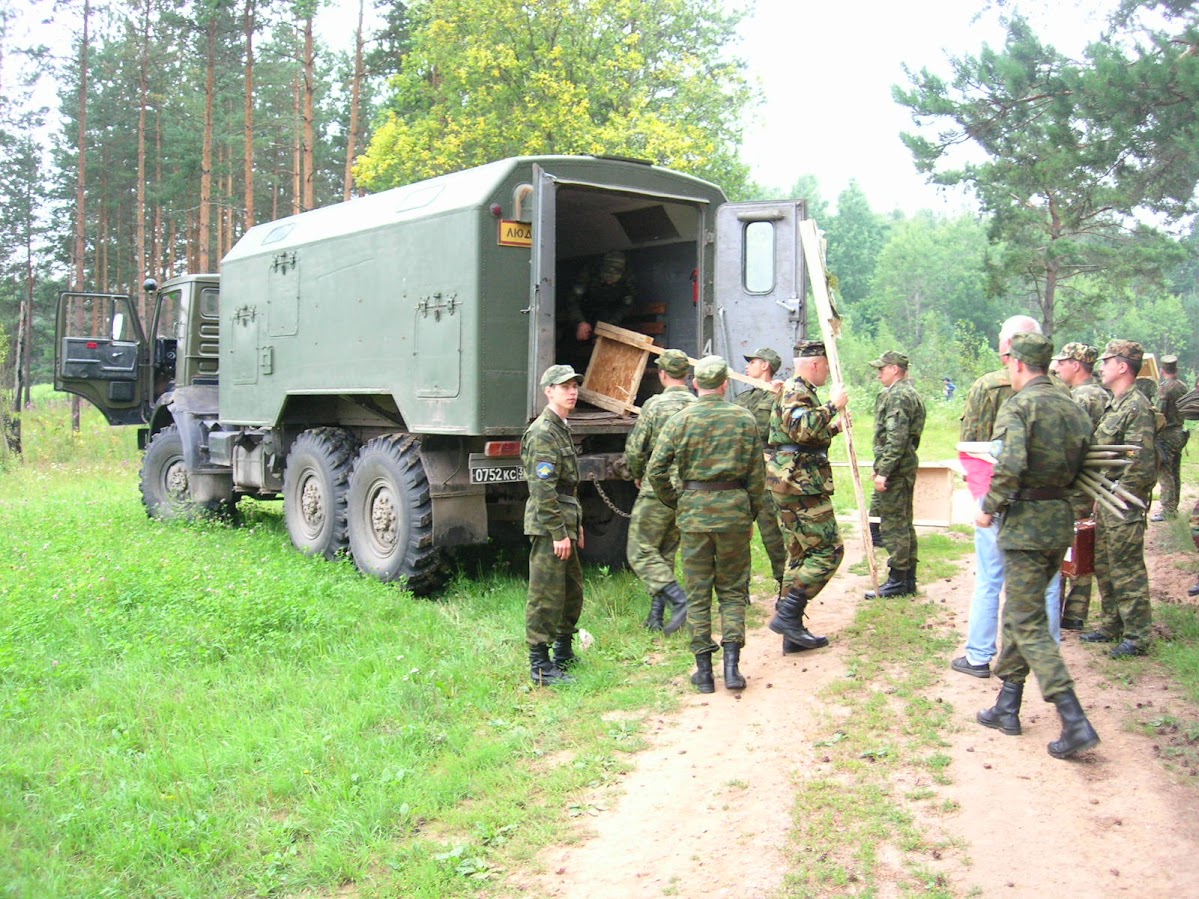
617 365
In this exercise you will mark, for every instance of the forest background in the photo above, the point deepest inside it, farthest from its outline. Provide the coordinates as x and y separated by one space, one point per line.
177 125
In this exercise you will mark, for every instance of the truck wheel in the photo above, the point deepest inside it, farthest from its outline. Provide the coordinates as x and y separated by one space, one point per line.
164 477
315 483
607 532
391 515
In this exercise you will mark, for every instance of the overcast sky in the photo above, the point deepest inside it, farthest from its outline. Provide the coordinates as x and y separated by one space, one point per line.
826 70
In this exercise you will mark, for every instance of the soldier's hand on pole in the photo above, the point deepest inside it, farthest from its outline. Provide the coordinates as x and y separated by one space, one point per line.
838 397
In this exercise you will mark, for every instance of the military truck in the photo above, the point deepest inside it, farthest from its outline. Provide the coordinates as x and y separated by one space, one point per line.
374 363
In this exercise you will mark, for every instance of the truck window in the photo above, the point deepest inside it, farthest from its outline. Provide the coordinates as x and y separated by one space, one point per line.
759 257
170 315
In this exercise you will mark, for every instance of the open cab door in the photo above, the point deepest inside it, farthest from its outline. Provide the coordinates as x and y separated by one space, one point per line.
761 280
100 355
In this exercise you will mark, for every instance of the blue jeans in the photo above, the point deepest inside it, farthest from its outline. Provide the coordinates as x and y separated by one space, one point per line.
983 628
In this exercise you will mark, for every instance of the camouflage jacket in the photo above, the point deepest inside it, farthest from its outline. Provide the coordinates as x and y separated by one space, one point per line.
552 471
759 402
710 440
1045 436
641 441
800 435
1129 419
898 424
591 300
983 400
1093 397
1169 392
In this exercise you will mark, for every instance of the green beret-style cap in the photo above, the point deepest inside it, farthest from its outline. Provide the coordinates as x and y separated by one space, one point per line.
1033 349
767 355
559 374
711 372
674 362
891 358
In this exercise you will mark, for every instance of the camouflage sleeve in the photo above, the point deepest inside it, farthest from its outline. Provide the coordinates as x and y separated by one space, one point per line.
640 443
803 420
542 463
1011 430
897 426
756 482
662 461
571 311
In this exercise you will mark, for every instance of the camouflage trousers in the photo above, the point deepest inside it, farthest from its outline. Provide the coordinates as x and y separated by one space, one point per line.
555 592
1121 576
893 508
772 537
1027 643
720 562
1078 598
653 543
1195 524
814 548
1169 469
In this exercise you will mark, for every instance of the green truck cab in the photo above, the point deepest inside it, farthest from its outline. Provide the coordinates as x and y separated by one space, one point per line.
374 363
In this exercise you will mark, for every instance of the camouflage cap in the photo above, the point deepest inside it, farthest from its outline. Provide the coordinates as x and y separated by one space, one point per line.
559 374
1079 352
1126 349
1032 349
767 355
891 358
674 362
711 372
810 348
1169 363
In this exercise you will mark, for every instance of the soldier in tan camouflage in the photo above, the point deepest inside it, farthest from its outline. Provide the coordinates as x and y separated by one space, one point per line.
763 364
1171 439
653 539
1120 541
554 521
801 481
713 449
898 423
1075 366
1042 439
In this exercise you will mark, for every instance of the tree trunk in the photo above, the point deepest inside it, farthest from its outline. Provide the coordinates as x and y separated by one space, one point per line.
205 224
248 24
143 100
81 177
355 95
309 116
296 182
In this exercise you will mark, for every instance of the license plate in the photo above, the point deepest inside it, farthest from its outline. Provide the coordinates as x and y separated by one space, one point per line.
497 475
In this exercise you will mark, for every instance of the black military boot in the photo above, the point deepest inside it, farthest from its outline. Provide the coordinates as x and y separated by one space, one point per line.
544 672
896 585
912 579
876 533
703 678
674 594
657 606
732 675
1005 715
788 620
564 654
1077 733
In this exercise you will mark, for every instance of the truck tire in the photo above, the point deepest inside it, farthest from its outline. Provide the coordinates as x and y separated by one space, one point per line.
391 515
166 492
164 477
606 532
315 483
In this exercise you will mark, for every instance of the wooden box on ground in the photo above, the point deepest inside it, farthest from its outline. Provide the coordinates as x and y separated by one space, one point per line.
932 499
617 365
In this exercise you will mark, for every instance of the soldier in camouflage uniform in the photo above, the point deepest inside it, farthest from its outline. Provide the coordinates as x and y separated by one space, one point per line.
763 364
554 520
713 448
898 424
1120 542
801 482
986 395
1075 366
604 291
1044 437
1171 438
653 533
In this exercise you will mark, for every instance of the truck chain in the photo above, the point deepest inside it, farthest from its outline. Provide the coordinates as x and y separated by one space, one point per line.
608 502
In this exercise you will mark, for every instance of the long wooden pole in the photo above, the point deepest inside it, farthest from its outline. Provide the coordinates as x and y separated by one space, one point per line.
830 329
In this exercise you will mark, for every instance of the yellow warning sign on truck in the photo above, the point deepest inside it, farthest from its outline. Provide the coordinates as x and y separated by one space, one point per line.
516 234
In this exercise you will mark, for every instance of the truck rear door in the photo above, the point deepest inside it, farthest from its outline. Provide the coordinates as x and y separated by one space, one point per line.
100 354
761 280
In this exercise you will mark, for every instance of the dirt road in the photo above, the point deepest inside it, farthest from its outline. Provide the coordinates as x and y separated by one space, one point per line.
707 809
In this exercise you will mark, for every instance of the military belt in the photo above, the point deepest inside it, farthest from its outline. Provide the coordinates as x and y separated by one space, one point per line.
711 486
801 448
1031 493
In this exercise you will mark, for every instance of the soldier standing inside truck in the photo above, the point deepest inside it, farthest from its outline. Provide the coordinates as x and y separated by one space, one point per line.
605 290
554 519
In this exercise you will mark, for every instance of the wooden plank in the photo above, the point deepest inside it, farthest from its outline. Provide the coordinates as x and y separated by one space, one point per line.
830 329
656 329
614 372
